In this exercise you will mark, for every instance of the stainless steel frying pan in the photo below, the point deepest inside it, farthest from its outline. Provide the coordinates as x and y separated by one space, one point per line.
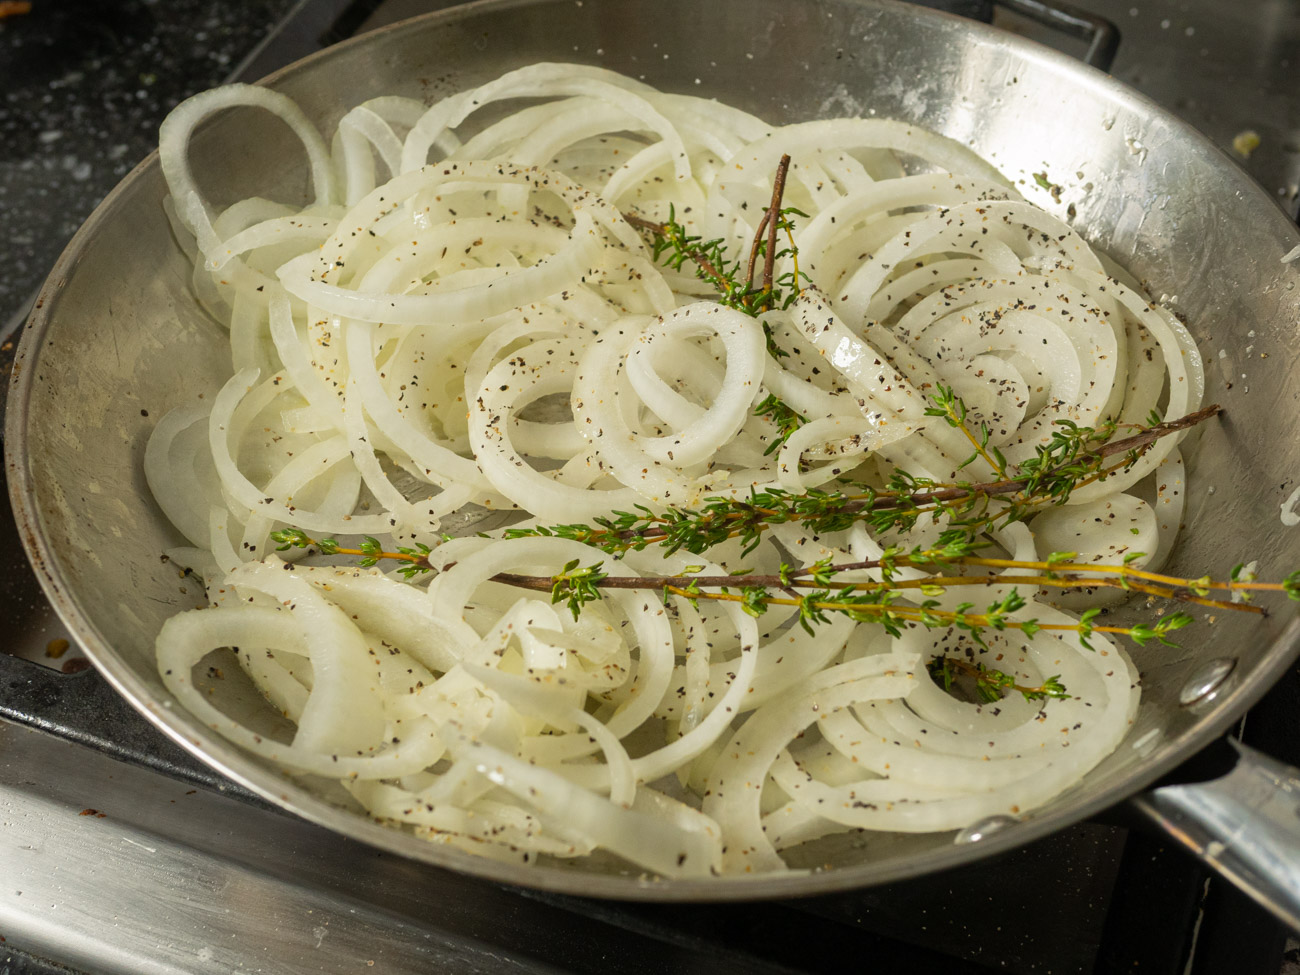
117 340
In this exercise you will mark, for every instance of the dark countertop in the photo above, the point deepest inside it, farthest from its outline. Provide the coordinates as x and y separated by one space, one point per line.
85 84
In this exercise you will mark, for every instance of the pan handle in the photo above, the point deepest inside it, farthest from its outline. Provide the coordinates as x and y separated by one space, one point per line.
1245 825
1102 35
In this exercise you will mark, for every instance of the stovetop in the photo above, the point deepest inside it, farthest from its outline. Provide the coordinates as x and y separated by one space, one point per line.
119 853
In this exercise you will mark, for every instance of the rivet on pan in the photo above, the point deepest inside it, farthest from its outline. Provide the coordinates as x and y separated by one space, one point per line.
985 827
1206 683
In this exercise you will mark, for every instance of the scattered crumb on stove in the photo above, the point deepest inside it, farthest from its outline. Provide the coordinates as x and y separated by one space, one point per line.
1245 142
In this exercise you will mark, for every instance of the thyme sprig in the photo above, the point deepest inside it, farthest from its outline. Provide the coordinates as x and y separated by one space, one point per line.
991 684
786 418
814 589
1074 454
674 247
810 590
369 552
815 594
949 406
733 281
